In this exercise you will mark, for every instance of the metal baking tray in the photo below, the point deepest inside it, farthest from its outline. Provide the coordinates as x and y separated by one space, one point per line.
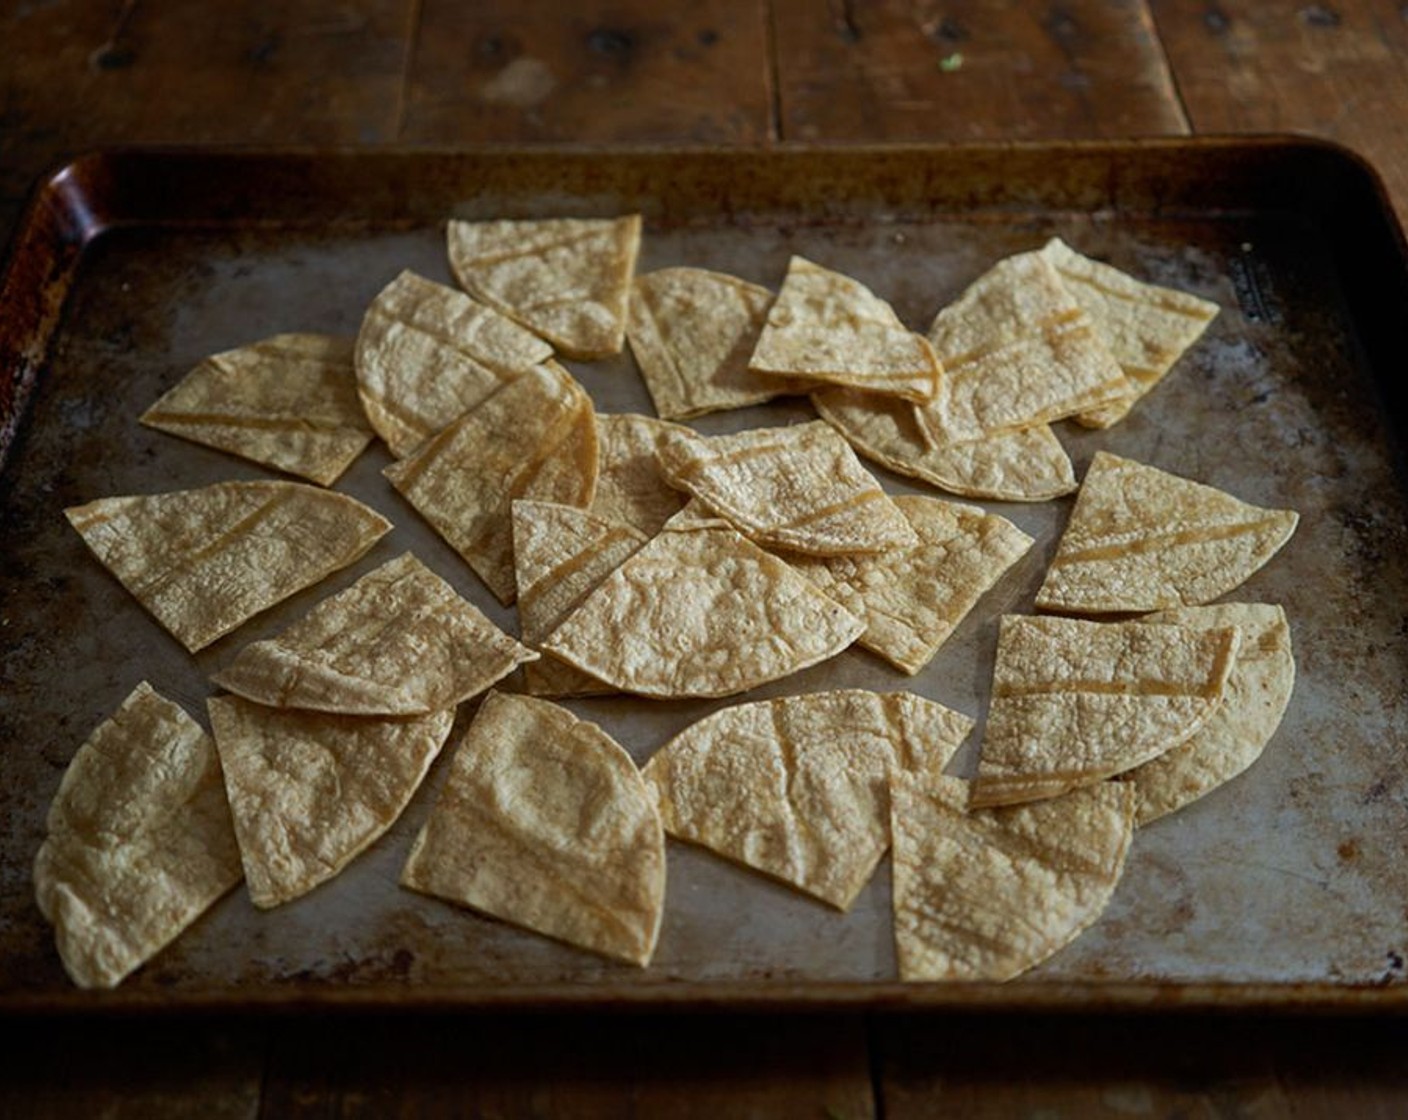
1286 888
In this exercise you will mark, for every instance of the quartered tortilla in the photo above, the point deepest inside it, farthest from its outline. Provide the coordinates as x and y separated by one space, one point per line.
1027 465
204 561
912 599
799 487
311 791
1146 327
561 554
701 611
1141 539
566 279
797 787
1074 702
1233 737
1017 349
989 894
533 438
139 840
399 641
545 822
692 332
827 327
630 486
427 352
288 402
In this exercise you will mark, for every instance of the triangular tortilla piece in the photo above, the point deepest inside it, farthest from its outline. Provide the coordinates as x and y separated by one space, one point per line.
1027 465
1017 349
400 641
630 486
139 840
701 611
534 438
912 599
1146 327
311 791
1233 737
288 402
1074 702
799 487
991 894
561 554
826 327
797 787
205 561
1141 539
427 352
545 822
566 279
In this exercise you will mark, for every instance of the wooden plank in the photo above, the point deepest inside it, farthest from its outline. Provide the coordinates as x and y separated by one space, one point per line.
975 69
534 70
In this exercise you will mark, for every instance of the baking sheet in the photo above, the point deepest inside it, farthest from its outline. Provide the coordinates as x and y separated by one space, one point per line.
1286 886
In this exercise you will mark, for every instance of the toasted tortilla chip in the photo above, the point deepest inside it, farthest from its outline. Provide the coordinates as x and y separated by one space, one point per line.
1074 702
1017 349
798 487
630 486
427 352
988 895
1233 737
139 840
204 561
913 598
701 611
545 822
534 438
311 791
797 787
826 327
566 279
1146 327
561 554
288 402
400 641
1141 539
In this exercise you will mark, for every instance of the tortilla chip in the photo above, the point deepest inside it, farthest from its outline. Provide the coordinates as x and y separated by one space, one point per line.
988 895
288 402
701 611
139 840
797 787
912 599
1146 327
398 642
534 438
798 487
545 822
827 327
1016 350
1258 690
203 562
1141 539
566 279
1074 702
629 485
561 554
427 352
311 791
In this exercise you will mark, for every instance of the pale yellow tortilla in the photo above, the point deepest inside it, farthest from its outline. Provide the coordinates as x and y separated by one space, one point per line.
630 486
797 787
203 562
545 822
139 841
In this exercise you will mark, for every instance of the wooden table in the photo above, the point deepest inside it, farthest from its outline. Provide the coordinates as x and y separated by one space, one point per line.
80 73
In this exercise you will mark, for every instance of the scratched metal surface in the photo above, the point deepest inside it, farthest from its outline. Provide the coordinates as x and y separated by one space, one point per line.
1291 875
